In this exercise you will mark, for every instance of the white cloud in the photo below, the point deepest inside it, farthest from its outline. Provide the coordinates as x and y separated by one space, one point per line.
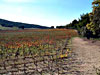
11 9
22 14
20 1
32 20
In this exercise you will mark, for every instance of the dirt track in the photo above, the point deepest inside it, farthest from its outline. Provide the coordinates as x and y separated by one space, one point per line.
86 55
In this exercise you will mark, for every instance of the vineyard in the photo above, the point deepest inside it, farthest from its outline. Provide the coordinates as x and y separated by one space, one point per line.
35 52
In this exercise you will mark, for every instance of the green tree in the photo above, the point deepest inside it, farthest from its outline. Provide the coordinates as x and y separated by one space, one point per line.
52 27
94 25
80 24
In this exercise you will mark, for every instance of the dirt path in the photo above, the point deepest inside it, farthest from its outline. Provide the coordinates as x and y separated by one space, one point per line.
87 57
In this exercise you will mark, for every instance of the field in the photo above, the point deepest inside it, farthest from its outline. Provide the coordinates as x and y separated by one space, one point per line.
37 52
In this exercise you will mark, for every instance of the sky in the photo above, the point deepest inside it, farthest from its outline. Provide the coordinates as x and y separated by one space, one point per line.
44 12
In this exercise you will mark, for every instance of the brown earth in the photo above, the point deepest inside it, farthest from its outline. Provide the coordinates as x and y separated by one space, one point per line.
86 56
83 59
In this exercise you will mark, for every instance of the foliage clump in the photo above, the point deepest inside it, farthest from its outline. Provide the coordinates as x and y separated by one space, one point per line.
94 25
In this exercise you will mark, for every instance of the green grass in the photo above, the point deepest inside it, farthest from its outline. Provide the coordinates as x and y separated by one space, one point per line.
8 28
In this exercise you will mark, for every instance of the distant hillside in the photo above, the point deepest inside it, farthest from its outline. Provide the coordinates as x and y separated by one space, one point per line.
6 23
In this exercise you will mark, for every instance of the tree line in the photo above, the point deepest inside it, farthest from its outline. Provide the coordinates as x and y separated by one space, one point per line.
89 24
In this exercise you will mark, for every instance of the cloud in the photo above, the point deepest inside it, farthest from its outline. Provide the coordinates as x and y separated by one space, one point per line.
32 19
18 1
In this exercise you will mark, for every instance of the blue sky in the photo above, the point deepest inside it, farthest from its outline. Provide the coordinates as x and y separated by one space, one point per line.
44 12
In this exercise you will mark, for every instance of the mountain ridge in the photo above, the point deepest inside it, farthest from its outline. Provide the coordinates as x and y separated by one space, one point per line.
7 23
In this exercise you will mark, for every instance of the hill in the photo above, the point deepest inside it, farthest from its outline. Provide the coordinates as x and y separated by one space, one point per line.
6 23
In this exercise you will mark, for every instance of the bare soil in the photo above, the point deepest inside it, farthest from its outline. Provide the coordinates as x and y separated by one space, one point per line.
86 56
83 59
